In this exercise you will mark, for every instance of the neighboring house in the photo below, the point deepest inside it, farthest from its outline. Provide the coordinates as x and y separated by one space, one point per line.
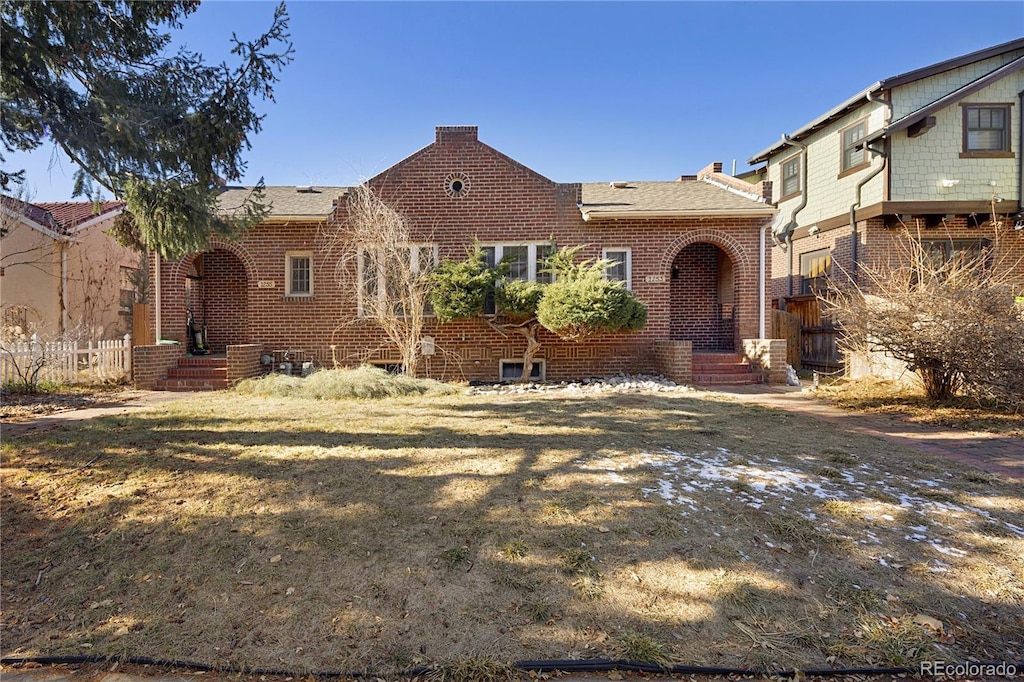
690 249
936 150
61 275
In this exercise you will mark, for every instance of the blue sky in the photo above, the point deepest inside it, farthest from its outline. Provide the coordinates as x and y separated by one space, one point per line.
578 91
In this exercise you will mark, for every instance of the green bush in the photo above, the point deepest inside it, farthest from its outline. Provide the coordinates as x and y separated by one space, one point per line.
580 308
459 289
519 299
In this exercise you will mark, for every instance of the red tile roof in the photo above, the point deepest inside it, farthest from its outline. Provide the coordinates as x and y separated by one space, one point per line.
70 214
60 216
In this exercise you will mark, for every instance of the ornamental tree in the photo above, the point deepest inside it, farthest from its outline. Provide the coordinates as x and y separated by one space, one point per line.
161 131
579 304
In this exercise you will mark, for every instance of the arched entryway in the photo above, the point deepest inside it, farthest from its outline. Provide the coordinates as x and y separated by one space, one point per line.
703 298
216 290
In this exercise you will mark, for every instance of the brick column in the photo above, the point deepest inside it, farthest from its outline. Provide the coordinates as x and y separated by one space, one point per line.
768 356
150 363
243 361
674 359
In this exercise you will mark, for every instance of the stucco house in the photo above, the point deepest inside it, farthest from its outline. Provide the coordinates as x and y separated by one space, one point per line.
692 249
936 150
61 275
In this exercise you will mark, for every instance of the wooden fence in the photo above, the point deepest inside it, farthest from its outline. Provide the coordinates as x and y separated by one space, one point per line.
65 362
818 348
785 326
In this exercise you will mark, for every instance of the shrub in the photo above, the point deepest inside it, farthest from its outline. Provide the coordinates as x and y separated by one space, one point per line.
365 382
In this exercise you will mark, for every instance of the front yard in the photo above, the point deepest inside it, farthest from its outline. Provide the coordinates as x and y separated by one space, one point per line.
384 535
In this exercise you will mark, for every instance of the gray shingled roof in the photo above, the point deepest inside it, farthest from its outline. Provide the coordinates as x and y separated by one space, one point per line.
666 199
315 202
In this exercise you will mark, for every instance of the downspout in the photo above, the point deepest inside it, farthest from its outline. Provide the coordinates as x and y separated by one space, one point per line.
159 332
761 282
1020 160
791 225
63 287
855 237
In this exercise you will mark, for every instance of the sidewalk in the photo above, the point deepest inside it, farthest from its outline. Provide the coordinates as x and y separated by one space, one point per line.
122 403
989 452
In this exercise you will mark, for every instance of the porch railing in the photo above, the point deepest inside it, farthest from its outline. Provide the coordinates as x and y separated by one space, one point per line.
66 361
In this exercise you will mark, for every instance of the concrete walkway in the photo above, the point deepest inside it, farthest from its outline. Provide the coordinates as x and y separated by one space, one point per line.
989 452
120 403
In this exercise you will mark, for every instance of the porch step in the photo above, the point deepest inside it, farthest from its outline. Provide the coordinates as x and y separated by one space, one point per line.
723 369
196 373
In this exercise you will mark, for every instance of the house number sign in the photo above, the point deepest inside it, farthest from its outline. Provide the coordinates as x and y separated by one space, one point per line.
655 279
265 284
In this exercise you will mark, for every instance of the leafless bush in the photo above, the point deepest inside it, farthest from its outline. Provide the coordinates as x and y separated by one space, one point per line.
375 258
953 321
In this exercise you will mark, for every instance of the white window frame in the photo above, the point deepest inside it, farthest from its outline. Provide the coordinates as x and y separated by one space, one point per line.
539 366
414 256
289 264
629 262
499 254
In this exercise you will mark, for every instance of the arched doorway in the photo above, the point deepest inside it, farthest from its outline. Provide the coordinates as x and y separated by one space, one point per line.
217 291
703 298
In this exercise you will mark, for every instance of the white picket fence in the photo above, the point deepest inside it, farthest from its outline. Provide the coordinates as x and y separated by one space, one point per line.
66 362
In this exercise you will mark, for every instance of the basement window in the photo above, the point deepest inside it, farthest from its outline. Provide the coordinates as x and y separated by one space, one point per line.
512 370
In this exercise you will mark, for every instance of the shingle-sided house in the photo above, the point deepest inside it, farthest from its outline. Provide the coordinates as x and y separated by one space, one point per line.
691 249
61 274
936 150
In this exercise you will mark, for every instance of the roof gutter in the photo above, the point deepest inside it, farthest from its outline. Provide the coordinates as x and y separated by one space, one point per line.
620 215
95 220
834 112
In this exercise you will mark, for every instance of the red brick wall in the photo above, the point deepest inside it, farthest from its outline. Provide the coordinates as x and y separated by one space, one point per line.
150 363
878 247
225 300
505 203
699 314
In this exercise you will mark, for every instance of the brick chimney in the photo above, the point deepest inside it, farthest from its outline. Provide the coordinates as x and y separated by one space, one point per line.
455 134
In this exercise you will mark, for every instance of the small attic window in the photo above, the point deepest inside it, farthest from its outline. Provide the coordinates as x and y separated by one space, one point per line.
456 185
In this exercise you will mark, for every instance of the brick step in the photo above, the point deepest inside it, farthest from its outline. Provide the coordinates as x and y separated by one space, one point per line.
202 361
727 379
191 384
194 372
720 368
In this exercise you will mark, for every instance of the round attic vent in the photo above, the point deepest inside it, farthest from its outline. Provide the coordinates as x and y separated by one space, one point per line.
456 185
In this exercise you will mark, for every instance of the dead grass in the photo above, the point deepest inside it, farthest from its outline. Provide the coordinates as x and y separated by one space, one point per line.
879 396
463 532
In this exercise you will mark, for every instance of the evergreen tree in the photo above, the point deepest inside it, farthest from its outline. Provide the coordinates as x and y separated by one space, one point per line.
160 130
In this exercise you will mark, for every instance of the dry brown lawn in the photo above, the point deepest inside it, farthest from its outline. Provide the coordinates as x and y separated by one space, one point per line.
355 535
908 403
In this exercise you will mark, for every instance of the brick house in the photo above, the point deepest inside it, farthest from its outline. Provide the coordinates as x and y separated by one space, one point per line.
936 150
691 249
